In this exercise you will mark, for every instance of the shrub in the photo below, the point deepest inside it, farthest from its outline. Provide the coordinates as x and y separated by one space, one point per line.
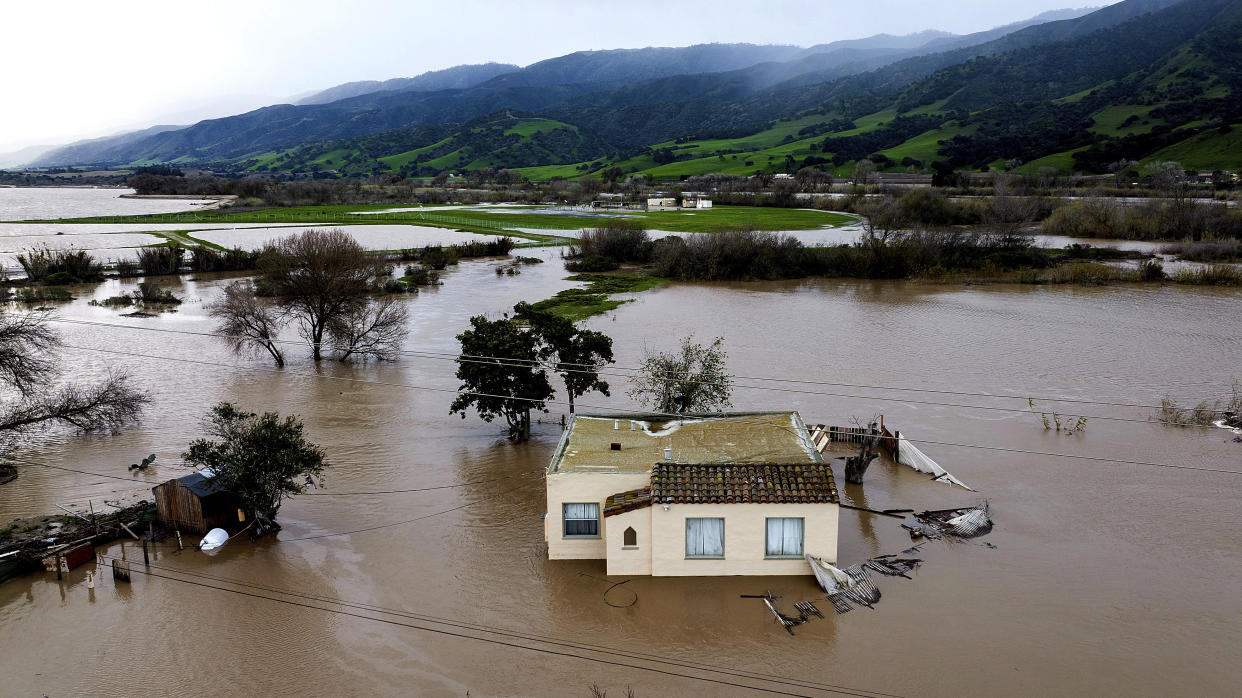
150 293
41 262
115 302
419 275
126 269
618 240
163 259
236 259
1206 251
438 257
1151 270
61 278
592 262
1211 275
30 294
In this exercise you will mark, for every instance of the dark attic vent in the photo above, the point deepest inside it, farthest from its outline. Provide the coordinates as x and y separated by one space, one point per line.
616 446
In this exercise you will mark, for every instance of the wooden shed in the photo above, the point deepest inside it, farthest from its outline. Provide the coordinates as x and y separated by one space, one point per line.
194 505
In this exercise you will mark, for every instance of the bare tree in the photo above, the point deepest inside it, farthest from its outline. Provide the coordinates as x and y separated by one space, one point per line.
692 379
28 401
864 170
26 346
250 325
868 450
319 276
374 329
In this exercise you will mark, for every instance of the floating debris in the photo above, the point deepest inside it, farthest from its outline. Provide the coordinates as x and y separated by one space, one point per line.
968 522
808 609
892 565
863 591
909 454
786 622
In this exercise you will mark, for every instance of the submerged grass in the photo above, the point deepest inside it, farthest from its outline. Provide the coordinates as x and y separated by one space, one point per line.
581 303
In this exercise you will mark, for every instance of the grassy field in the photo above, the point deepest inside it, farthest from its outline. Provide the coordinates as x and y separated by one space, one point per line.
1206 151
1108 121
710 220
925 147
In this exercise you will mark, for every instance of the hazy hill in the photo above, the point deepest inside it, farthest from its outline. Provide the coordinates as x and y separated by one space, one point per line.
1024 92
455 78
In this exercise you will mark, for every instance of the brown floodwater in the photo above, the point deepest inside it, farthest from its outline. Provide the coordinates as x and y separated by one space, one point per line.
1105 578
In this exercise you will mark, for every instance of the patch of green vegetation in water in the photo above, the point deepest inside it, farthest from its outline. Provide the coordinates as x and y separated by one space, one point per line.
581 303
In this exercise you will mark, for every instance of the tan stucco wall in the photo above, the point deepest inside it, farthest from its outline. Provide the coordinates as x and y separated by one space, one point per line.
580 488
745 529
626 560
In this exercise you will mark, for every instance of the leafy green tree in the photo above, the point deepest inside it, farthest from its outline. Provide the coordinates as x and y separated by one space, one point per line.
693 379
574 353
261 458
501 374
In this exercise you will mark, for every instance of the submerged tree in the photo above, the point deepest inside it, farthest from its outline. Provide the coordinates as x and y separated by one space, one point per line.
501 374
375 329
325 280
250 324
260 458
691 379
574 353
28 399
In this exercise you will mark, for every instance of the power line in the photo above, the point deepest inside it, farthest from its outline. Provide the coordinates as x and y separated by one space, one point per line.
477 627
611 370
449 633
599 407
502 361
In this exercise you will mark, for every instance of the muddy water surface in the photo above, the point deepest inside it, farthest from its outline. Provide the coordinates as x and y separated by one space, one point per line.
1106 578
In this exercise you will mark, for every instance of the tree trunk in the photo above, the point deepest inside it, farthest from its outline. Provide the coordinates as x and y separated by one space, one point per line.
856 466
571 399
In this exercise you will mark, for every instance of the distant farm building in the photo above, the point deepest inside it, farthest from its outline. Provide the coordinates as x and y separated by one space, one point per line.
733 494
669 203
194 504
696 201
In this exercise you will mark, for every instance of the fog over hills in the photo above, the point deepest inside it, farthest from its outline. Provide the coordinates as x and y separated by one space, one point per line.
970 99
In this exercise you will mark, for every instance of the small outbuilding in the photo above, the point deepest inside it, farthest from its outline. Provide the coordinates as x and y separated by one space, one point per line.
195 504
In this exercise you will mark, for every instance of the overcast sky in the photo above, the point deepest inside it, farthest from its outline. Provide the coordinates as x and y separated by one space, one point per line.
83 69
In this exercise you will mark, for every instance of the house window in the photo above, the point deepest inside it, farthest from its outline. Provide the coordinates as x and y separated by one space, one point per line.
630 538
784 538
581 520
705 538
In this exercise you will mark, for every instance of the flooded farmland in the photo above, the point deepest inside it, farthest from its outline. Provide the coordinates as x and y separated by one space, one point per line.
1106 577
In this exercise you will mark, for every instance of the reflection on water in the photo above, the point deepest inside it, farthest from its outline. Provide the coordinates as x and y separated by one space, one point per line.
1106 577
32 203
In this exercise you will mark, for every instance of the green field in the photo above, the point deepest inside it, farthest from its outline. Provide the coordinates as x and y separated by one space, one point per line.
1206 151
715 219
1108 121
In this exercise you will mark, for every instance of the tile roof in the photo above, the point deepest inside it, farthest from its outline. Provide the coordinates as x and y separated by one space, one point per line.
627 501
741 483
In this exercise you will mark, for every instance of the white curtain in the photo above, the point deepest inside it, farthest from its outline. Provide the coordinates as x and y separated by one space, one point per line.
581 519
704 537
784 537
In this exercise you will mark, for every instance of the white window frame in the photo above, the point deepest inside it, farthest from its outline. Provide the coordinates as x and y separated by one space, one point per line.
721 556
767 541
565 519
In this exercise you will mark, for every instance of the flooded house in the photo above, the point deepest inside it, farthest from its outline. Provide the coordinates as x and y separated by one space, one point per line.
733 494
